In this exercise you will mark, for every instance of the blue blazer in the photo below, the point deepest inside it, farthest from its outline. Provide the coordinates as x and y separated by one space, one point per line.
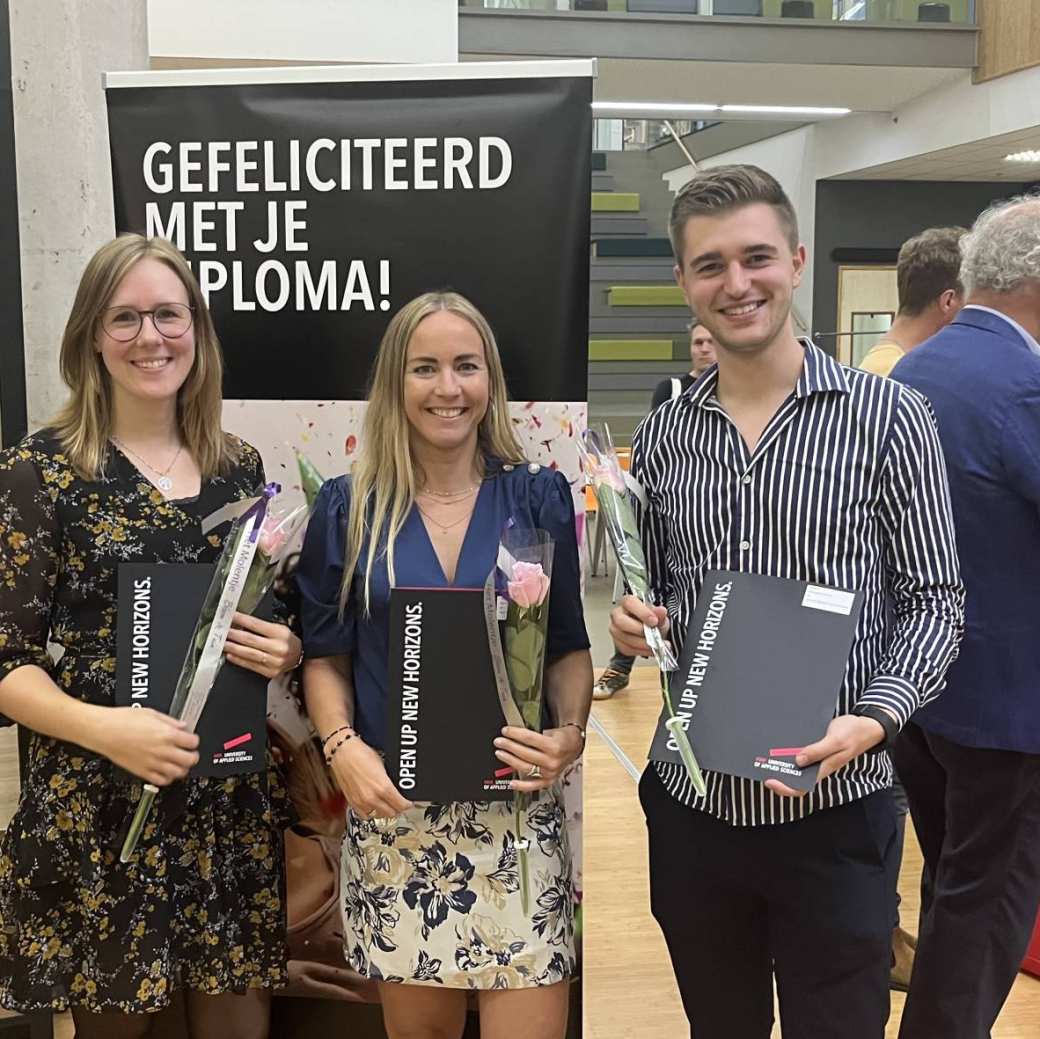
983 381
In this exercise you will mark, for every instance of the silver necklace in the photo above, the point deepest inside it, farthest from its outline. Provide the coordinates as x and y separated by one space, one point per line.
163 481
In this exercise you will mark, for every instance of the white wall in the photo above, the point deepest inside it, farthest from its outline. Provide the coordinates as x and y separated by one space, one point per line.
59 49
398 31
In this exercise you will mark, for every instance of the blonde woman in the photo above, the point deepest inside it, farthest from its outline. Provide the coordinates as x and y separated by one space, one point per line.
431 901
124 474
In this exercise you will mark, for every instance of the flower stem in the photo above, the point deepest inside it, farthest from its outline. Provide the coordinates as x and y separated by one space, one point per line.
519 806
675 726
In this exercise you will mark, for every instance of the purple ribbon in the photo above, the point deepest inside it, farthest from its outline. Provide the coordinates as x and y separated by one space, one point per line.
259 508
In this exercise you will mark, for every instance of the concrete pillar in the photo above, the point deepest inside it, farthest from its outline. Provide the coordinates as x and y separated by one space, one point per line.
59 49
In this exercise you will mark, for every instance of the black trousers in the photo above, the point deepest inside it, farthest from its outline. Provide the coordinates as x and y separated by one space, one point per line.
977 817
810 901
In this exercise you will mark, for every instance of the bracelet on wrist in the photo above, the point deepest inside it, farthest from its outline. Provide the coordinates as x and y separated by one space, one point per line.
332 753
575 725
335 732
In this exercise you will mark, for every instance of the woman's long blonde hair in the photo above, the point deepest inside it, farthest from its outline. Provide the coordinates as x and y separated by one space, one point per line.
84 423
383 478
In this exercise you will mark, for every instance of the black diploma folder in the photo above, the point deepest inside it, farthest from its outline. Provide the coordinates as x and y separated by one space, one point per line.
159 604
443 710
759 675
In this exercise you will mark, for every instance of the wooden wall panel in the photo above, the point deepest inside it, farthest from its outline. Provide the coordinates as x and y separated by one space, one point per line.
1009 37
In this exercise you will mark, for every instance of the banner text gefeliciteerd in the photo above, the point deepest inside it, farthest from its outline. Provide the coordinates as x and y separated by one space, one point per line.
311 211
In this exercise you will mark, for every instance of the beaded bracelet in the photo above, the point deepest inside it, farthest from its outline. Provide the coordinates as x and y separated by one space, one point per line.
335 732
332 753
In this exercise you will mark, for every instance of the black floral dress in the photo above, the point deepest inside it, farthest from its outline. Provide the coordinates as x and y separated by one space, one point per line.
202 905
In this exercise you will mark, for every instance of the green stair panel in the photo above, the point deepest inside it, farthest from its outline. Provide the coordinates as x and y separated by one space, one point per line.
630 349
615 202
645 296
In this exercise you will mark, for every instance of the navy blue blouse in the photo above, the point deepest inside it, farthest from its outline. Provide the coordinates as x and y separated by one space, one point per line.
533 497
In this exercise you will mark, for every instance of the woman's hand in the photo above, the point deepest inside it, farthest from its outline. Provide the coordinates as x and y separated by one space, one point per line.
267 648
552 751
361 775
153 746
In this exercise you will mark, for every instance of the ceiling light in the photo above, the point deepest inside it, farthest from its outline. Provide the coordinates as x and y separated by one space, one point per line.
652 106
1027 156
663 109
785 109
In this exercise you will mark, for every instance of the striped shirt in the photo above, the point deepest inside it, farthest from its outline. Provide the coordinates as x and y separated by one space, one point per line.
846 487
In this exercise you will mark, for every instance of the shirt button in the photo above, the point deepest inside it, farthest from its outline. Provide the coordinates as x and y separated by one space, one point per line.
507 468
745 545
747 479
533 467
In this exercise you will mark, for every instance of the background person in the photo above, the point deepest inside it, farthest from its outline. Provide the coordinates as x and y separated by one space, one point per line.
797 887
618 672
930 296
971 761
929 292
431 892
125 473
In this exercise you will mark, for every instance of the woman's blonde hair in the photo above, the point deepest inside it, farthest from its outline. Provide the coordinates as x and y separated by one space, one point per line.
384 478
84 423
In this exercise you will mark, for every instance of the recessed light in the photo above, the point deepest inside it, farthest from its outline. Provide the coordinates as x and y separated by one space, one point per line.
1026 156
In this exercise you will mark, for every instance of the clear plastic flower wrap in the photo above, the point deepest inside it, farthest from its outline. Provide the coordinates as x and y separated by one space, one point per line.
248 564
616 512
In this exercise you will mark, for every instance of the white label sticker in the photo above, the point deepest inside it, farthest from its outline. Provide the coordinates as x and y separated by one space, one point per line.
832 600
503 608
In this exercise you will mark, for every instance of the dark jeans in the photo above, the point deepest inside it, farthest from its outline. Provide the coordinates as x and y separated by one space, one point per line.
977 817
619 662
811 901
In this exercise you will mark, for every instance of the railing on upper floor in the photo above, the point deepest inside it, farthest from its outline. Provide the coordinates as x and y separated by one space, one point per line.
846 12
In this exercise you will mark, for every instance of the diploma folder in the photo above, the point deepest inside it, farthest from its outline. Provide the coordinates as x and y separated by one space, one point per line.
442 701
158 606
759 675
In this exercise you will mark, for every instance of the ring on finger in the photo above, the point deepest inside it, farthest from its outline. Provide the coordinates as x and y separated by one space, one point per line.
534 772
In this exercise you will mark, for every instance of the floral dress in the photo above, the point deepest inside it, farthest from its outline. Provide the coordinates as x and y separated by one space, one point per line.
433 897
202 904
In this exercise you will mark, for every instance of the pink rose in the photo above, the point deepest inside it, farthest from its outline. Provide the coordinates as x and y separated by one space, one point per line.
529 586
610 474
273 537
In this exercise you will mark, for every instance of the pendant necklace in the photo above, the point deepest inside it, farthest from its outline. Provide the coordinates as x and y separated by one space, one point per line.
441 526
163 481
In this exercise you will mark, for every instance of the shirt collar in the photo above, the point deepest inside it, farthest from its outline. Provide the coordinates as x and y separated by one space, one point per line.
1028 339
821 373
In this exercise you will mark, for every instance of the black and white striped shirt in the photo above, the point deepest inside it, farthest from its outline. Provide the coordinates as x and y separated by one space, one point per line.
846 487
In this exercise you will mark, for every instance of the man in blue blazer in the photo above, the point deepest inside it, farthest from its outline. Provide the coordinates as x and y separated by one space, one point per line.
970 760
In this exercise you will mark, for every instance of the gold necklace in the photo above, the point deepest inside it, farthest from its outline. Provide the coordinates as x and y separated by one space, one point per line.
441 526
454 495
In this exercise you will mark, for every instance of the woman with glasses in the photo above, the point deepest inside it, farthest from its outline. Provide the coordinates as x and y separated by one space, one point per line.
125 473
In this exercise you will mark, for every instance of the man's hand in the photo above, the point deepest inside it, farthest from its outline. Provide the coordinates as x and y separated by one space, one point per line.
847 737
626 625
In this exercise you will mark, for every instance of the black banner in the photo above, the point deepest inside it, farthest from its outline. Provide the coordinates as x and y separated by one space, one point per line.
312 211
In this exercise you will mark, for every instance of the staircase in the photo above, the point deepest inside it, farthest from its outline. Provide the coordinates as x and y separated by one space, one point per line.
637 315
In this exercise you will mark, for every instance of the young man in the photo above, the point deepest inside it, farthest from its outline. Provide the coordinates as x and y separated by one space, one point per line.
971 761
930 294
617 673
783 462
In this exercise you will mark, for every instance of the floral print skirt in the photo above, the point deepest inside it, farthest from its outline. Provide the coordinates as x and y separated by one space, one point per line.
201 905
433 896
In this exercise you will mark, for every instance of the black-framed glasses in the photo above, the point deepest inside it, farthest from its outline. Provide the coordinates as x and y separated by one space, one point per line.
170 320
